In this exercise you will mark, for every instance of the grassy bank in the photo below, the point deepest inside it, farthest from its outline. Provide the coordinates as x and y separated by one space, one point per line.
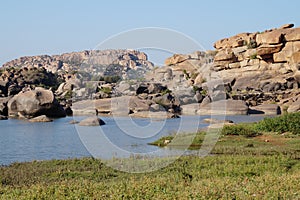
219 177
260 165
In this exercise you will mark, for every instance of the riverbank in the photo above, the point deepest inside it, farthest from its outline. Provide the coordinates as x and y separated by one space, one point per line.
264 166
217 177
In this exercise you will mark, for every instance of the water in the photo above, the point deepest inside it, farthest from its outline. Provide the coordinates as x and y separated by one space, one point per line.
24 141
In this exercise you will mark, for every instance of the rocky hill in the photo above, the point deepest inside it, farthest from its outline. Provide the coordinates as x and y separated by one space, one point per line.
261 69
89 61
246 73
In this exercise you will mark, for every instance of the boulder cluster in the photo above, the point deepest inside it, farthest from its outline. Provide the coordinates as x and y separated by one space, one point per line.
249 73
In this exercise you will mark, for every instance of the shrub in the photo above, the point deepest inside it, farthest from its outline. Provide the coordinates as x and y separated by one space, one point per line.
285 123
240 129
106 90
254 56
166 91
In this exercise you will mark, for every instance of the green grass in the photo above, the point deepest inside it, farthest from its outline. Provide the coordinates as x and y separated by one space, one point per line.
263 166
189 177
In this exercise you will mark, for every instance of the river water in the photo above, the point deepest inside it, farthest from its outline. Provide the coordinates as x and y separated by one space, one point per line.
121 137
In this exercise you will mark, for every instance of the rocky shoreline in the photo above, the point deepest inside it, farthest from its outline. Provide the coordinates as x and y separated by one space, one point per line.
249 73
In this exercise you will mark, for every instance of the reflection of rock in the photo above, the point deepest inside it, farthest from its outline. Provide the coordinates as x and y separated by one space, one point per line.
190 109
42 118
155 115
34 103
217 121
3 106
3 117
92 121
229 107
73 122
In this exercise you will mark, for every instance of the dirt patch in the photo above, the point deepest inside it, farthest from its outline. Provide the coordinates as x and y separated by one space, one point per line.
277 140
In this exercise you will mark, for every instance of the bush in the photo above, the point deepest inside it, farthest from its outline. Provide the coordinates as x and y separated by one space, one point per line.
240 129
285 123
254 56
106 90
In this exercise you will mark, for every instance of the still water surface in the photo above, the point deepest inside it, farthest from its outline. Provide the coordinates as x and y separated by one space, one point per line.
24 141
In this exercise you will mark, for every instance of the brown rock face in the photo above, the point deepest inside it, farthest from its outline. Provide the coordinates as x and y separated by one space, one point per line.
34 103
234 41
273 37
267 49
225 55
293 35
71 61
287 26
295 58
177 58
287 51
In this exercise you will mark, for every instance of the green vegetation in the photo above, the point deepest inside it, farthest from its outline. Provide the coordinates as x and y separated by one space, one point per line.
281 124
187 75
166 91
253 56
106 90
110 79
263 166
246 130
189 177
194 75
252 44
269 129
204 92
195 88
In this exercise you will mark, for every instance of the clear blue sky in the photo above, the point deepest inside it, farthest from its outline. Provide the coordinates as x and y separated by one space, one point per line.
53 27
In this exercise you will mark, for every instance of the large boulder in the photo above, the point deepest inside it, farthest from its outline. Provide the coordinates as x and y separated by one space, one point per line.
293 35
118 106
34 103
295 106
225 55
224 107
295 58
190 109
287 51
272 37
175 59
267 109
234 41
92 121
267 49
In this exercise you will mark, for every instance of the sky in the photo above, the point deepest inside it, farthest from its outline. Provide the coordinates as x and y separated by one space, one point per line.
35 27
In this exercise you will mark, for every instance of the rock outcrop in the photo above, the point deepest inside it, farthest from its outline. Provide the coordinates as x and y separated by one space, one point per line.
265 66
33 103
87 60
246 73
92 121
